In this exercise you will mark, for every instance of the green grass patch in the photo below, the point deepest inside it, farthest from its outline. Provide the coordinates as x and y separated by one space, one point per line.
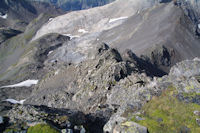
42 128
166 114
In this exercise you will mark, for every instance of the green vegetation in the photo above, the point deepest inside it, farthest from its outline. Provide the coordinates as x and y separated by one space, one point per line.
190 95
191 87
42 128
166 114
9 130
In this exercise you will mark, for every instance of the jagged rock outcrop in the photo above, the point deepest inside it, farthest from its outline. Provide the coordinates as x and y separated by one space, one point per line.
93 79
161 57
182 83
111 86
191 8
100 84
130 127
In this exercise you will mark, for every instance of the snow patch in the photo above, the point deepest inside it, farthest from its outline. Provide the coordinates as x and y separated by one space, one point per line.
82 31
50 52
13 101
199 26
196 59
4 16
26 83
56 73
117 19
50 19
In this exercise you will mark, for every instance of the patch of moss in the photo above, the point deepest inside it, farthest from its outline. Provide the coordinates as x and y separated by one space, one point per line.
191 87
42 128
166 114
63 118
9 130
112 82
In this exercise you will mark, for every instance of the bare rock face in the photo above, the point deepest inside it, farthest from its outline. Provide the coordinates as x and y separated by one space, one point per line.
41 114
130 127
161 57
185 68
189 71
6 33
192 9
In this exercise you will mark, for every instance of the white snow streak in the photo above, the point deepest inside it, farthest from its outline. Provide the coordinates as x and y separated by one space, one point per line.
50 52
15 101
117 19
26 83
56 73
4 16
50 19
82 31
199 26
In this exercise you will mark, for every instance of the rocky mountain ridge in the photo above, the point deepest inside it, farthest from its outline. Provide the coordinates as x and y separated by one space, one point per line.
104 94
124 67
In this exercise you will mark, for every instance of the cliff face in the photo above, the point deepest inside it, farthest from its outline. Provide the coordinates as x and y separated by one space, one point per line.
192 10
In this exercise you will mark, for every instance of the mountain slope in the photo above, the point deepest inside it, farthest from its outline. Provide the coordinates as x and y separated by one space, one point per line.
71 5
164 25
17 14
95 19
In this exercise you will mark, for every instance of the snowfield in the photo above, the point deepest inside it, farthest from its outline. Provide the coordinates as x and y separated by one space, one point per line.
13 101
117 19
26 83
